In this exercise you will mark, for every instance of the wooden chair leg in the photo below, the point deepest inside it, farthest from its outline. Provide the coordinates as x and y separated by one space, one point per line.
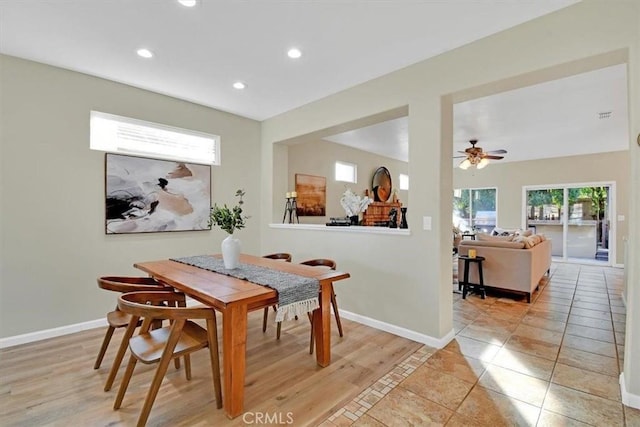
105 345
334 303
265 316
264 322
125 382
215 360
176 361
124 344
187 366
312 335
165 360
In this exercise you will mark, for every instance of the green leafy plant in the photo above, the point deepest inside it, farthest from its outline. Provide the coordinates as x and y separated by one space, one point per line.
229 219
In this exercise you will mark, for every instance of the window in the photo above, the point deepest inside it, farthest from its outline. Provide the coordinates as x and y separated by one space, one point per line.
130 136
474 209
403 180
346 172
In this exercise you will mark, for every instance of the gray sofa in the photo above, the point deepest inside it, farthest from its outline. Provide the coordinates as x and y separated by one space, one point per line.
508 265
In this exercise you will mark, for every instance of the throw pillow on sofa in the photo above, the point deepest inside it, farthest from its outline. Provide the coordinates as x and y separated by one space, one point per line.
526 240
489 238
530 241
497 231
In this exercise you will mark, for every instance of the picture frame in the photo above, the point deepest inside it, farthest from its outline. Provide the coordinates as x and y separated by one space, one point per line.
311 195
146 195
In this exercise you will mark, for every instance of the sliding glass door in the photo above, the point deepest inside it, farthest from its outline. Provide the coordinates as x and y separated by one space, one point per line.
544 216
575 217
588 223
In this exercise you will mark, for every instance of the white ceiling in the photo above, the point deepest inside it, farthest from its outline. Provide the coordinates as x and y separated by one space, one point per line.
552 119
388 139
201 51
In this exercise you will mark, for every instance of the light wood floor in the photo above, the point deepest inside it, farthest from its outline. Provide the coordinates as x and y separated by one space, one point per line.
53 383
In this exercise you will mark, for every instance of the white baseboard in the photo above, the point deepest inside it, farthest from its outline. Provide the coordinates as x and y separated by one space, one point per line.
62 330
398 330
387 327
629 399
51 333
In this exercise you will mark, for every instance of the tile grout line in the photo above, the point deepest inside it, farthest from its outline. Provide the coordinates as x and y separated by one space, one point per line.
555 363
617 359
388 383
615 341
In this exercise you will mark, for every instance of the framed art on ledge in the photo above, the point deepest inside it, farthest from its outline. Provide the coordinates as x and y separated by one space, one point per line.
312 195
145 195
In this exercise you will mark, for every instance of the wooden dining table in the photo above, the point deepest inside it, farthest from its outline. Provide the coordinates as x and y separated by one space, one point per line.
235 298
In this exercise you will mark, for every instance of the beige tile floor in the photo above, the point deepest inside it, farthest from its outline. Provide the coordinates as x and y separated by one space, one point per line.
554 362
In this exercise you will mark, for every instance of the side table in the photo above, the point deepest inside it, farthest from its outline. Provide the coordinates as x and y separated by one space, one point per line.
478 287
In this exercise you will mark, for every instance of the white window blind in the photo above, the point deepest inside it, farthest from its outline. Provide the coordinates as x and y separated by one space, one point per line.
346 172
131 136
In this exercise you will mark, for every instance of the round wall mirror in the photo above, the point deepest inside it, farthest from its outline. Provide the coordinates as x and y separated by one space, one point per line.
381 184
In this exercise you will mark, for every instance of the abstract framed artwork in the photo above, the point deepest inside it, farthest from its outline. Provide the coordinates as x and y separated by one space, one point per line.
145 195
312 195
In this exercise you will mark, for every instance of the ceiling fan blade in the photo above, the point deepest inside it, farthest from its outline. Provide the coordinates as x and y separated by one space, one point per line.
460 157
501 151
493 157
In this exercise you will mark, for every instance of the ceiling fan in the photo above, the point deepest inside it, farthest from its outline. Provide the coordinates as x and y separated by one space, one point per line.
474 156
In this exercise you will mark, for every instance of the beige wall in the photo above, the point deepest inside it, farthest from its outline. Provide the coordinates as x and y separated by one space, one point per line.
406 280
319 158
509 178
631 370
53 244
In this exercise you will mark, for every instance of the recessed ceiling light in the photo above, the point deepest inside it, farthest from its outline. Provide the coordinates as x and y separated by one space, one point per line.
239 85
188 3
294 53
144 53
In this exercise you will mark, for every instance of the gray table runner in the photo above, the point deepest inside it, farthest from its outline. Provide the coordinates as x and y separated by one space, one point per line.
297 295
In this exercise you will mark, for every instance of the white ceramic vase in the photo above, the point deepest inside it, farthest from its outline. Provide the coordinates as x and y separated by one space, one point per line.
231 252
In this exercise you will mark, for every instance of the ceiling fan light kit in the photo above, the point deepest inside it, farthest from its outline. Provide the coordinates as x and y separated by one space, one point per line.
478 158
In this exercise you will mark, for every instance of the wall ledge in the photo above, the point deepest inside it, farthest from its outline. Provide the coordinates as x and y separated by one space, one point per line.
350 229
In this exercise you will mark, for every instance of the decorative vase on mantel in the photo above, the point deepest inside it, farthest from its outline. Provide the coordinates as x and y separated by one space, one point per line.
403 220
231 252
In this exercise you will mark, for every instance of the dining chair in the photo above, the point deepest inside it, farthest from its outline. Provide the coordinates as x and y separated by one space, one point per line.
331 264
278 256
181 338
118 319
